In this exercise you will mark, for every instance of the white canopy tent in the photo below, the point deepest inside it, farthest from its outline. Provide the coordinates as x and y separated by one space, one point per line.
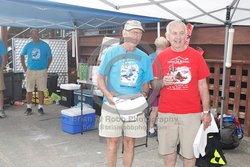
201 11
215 12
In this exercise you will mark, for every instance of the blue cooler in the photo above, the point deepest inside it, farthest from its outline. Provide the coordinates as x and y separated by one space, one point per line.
71 119
87 97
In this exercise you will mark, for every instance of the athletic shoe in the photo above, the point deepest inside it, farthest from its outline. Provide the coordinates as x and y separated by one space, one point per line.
40 111
2 114
152 134
28 111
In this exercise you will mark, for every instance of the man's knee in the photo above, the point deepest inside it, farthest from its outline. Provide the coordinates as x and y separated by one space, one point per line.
129 143
113 142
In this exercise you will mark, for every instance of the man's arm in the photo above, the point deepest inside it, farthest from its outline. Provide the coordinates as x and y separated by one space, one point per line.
157 83
204 94
23 63
3 61
203 88
103 88
145 89
49 61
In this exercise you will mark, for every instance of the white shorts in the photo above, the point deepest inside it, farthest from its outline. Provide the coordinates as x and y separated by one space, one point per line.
111 125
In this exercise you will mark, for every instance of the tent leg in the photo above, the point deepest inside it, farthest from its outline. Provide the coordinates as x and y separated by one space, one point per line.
224 75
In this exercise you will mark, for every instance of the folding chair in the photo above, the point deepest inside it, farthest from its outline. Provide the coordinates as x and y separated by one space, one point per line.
147 112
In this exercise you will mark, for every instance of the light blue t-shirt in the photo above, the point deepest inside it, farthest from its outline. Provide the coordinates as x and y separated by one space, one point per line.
38 55
3 51
125 72
153 56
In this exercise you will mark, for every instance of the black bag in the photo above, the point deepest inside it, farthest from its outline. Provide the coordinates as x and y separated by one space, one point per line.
229 138
231 133
214 156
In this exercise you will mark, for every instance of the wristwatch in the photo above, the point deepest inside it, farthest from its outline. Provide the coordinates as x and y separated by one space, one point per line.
206 112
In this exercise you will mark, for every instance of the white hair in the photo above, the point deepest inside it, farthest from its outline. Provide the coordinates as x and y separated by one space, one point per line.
174 22
161 42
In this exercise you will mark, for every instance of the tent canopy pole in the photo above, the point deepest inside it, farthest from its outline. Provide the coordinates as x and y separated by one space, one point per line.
227 26
158 29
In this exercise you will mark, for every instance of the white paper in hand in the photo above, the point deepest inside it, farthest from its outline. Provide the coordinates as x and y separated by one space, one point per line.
129 108
129 104
200 141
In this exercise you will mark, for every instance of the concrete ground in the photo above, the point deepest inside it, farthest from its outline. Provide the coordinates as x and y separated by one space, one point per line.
38 141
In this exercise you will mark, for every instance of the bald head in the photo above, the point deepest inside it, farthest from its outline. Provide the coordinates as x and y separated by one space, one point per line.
34 30
34 33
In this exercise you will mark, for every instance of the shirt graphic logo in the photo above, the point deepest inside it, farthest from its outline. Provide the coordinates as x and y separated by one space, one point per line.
180 71
181 75
36 54
178 60
129 74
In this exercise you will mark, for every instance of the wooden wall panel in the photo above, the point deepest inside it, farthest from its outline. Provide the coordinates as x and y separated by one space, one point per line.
247 110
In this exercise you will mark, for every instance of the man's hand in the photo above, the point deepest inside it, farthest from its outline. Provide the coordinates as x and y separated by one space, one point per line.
144 93
168 80
206 120
110 99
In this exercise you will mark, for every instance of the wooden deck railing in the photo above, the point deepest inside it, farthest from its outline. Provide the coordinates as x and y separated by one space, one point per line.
237 89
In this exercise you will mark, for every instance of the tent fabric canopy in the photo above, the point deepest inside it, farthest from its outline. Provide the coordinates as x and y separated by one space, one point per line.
201 11
72 14
48 14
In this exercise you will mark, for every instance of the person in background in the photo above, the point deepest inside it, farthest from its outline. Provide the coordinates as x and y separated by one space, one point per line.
130 71
181 73
161 43
39 58
3 53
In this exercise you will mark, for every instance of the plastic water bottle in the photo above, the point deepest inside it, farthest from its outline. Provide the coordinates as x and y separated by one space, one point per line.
239 132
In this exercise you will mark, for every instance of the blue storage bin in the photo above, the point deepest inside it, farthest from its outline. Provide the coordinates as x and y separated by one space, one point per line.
86 98
71 120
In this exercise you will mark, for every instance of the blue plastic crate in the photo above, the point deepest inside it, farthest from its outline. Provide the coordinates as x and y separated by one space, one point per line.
87 97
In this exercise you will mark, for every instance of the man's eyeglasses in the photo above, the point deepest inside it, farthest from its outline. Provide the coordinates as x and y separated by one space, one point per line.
135 32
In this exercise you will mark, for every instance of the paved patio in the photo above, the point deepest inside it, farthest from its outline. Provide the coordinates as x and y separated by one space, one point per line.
38 141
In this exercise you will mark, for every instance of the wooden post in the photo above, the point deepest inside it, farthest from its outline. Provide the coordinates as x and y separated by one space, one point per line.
247 111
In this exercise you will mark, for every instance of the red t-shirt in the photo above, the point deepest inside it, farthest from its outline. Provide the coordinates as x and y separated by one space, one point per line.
186 68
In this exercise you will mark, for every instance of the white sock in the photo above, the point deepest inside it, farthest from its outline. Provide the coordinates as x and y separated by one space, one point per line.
151 130
40 106
29 105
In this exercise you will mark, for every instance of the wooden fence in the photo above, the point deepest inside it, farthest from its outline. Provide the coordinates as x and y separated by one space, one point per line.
237 89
